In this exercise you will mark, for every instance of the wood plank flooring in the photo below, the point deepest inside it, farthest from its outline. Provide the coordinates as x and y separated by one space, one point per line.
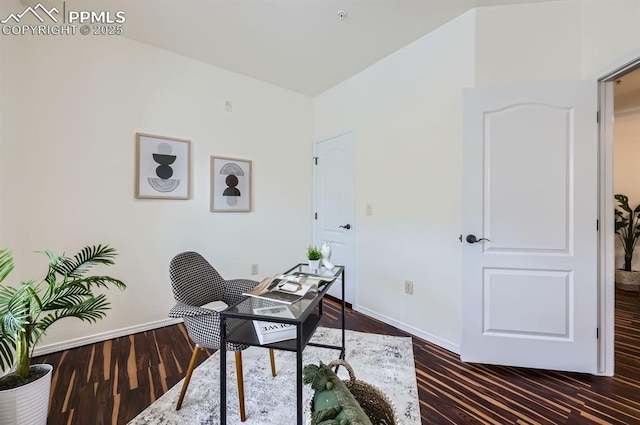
112 381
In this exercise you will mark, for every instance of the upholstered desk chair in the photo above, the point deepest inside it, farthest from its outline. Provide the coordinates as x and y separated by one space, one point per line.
195 283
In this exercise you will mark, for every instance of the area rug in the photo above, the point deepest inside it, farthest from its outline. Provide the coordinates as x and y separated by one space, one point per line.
380 360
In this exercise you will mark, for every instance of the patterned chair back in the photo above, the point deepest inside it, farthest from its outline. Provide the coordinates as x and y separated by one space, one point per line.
193 280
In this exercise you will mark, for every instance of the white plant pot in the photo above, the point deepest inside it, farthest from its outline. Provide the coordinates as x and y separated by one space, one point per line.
28 404
628 281
314 264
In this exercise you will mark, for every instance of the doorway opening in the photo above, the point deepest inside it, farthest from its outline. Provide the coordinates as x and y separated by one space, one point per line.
619 108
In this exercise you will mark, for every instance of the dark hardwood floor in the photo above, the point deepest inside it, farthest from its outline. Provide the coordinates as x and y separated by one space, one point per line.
112 381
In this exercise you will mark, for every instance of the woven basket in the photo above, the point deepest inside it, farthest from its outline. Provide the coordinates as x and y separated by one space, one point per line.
374 402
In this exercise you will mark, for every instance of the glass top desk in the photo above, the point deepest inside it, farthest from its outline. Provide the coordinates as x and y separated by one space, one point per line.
236 326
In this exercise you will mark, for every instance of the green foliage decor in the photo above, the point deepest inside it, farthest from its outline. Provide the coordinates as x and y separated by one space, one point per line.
333 403
27 311
627 228
313 253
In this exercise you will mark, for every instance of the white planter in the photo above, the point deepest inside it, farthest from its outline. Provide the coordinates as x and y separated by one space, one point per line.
314 264
628 281
28 404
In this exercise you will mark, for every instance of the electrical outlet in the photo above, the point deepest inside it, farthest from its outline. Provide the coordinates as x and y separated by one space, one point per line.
228 106
408 287
254 269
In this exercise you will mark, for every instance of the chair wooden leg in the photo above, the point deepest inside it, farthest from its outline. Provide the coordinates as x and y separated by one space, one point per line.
187 378
243 416
273 362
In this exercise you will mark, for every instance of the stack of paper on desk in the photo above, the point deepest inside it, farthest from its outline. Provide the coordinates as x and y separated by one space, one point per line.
286 288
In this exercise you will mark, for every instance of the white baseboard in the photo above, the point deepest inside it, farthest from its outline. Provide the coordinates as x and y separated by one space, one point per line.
92 339
447 345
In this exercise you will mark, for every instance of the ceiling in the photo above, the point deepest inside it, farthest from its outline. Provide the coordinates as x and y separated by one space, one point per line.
301 45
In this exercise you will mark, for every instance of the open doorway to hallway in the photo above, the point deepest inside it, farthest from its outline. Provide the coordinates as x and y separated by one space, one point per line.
626 186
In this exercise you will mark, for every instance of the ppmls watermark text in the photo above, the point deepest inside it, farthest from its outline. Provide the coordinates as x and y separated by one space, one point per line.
39 29
86 22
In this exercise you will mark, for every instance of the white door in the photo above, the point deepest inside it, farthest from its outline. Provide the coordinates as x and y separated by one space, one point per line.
334 205
530 187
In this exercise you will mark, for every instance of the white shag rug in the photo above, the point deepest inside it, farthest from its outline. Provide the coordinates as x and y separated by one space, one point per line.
383 361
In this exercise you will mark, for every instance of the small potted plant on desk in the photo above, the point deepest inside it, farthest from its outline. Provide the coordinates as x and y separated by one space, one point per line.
27 311
314 255
628 231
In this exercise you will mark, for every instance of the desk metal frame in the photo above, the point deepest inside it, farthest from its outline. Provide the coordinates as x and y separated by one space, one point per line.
306 325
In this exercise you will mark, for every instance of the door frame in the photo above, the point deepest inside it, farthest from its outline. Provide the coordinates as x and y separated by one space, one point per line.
606 261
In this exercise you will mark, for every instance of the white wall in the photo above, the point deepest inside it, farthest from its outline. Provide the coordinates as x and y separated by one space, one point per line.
610 32
406 112
12 101
626 170
86 98
408 107
555 41
530 43
73 106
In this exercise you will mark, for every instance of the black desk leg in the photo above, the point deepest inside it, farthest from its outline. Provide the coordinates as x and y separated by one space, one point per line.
343 353
299 371
223 371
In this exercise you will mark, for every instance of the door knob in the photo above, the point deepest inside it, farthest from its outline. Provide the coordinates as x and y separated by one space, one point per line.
473 239
346 226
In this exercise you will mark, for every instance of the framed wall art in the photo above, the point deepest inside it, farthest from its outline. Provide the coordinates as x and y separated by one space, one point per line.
230 184
163 167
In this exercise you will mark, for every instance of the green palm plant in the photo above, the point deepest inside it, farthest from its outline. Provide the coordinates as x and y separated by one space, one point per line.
27 311
627 228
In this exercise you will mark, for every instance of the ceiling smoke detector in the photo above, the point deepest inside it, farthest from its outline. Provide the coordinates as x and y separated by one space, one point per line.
342 14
